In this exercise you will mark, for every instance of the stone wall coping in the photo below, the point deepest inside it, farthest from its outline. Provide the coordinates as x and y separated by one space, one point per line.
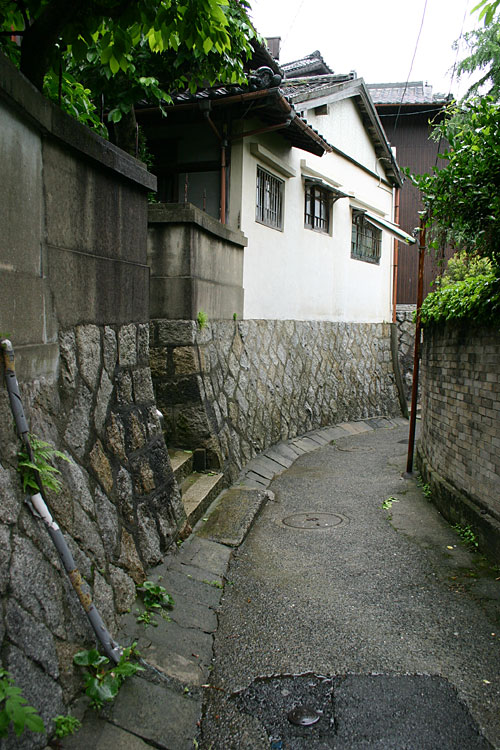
50 120
187 213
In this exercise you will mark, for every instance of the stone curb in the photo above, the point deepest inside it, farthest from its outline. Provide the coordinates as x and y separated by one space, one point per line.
162 707
261 470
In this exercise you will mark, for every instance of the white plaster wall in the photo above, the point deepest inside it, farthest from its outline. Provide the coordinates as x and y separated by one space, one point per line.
305 275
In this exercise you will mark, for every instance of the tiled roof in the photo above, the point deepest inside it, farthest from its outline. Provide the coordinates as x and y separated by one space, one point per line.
309 65
293 87
414 92
276 108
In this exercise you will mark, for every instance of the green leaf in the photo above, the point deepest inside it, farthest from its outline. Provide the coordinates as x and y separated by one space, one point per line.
90 658
114 65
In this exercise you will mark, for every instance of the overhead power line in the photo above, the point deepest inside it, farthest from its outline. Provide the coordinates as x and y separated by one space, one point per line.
411 67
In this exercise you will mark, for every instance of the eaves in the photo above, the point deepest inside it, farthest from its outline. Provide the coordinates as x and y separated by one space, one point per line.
356 90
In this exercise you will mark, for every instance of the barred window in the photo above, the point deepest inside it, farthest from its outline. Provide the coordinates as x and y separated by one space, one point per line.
366 239
317 208
269 201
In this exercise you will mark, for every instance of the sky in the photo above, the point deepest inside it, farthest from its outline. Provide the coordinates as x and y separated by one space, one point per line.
382 40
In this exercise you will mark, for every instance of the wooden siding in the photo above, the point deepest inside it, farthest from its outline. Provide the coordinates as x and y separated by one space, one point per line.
415 150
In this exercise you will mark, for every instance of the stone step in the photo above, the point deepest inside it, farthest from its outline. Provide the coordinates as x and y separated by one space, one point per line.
198 491
182 463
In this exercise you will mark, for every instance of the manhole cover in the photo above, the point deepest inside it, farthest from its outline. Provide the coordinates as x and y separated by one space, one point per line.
313 520
303 716
355 448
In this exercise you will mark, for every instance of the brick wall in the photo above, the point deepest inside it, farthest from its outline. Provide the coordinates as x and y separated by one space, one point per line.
460 439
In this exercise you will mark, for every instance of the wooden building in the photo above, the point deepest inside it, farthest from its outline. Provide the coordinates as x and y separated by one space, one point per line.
407 112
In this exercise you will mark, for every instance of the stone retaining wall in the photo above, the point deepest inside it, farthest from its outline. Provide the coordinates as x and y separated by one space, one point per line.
406 345
74 300
235 388
459 451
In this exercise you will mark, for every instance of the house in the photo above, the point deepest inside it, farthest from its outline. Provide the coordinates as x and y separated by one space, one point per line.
302 167
408 112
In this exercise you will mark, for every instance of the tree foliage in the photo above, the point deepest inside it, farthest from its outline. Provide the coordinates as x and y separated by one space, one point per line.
484 46
463 197
487 10
124 50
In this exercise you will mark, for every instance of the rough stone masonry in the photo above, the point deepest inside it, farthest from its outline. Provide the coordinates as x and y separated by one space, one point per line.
234 388
119 508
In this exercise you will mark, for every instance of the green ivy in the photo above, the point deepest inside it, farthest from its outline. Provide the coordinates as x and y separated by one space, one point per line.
475 298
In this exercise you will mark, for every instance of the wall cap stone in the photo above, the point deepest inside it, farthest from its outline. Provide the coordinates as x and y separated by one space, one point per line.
49 119
187 213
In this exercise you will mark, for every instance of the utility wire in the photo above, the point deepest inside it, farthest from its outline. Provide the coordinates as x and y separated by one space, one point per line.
411 68
453 74
292 23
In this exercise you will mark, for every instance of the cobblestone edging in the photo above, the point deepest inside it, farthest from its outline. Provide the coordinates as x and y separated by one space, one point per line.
460 438
119 514
235 388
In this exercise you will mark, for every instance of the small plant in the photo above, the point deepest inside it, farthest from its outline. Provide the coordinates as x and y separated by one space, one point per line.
425 487
15 710
467 536
66 725
202 319
215 584
42 464
155 598
146 618
235 316
388 503
103 679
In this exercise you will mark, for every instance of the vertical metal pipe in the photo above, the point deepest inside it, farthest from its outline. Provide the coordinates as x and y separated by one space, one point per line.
223 182
396 259
416 355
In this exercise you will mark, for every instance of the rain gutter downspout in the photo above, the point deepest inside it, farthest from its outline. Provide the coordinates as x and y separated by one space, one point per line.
396 257
416 355
394 328
223 165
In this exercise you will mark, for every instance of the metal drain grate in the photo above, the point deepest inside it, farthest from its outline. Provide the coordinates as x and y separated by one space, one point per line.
314 520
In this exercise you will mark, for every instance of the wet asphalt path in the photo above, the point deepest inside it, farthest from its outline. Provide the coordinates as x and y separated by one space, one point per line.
389 625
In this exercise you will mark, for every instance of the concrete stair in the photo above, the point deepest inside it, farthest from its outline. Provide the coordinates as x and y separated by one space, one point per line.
182 463
198 488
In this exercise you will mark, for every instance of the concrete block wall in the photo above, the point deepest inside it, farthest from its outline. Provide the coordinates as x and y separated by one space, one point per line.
235 388
460 438
196 264
74 300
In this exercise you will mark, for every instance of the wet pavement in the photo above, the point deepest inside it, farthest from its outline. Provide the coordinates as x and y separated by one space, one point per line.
353 601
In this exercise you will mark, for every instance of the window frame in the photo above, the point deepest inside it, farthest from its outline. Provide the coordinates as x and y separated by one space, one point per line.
265 214
313 220
366 239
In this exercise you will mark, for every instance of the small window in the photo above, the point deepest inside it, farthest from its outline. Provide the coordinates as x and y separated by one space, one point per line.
317 208
366 239
269 201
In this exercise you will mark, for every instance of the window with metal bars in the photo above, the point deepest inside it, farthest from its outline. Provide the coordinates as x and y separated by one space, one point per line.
269 200
366 240
317 208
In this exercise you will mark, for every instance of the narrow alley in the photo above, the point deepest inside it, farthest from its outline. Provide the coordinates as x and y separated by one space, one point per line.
354 616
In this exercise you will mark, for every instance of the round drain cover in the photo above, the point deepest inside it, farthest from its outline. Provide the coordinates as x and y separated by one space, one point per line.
303 716
313 520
